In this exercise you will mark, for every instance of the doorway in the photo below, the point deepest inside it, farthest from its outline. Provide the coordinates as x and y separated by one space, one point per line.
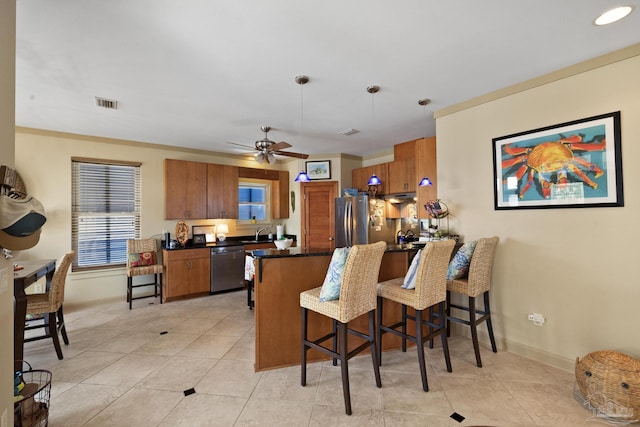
318 216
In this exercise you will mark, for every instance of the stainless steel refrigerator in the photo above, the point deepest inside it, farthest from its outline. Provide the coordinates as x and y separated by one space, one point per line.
352 221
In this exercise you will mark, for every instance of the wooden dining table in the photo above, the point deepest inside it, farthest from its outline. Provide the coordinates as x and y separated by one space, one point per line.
31 272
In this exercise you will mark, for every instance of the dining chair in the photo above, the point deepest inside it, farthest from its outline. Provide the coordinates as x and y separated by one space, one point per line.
48 307
477 283
142 260
430 291
357 296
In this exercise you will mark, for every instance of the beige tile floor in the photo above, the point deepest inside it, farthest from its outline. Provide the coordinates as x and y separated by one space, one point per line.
120 370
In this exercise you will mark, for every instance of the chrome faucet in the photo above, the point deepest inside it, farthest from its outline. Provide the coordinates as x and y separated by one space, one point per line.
258 231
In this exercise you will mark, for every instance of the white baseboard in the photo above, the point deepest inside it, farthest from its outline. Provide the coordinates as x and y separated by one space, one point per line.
524 350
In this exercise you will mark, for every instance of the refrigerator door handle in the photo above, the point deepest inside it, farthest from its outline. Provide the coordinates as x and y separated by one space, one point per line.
348 226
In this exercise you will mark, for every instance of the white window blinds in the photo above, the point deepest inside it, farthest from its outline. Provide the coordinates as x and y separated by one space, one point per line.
105 211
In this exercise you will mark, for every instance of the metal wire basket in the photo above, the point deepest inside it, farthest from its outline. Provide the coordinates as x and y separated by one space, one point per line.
31 408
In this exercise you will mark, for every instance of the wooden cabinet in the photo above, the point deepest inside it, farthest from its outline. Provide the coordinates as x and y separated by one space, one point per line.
402 176
280 196
222 191
426 166
187 272
360 177
185 189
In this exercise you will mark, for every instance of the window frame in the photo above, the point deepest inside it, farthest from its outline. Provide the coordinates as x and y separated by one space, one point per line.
267 185
76 213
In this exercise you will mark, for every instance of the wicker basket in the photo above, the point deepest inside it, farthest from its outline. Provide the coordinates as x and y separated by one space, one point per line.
31 407
610 382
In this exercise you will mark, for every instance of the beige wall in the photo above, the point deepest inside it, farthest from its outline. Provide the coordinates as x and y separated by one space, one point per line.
7 123
44 161
574 266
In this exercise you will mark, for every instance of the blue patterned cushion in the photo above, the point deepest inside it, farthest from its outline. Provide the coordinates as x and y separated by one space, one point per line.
332 281
410 278
459 265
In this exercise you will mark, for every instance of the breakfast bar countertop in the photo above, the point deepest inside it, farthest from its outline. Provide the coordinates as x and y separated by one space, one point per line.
305 252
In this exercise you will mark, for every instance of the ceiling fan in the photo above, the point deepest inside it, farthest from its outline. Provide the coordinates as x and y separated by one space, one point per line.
266 148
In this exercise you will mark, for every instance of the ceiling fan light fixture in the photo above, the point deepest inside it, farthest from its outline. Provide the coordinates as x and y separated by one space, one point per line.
260 157
613 15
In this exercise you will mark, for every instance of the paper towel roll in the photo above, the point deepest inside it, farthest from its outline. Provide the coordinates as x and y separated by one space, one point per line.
279 232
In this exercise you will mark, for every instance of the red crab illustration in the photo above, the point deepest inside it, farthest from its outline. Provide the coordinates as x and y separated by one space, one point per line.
553 157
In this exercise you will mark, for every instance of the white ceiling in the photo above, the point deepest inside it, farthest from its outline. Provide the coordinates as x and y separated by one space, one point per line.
200 73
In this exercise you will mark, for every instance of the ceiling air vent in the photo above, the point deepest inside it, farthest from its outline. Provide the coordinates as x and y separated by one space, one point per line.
106 103
348 132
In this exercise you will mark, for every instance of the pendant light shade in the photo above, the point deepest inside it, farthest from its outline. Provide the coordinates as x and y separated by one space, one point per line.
425 182
302 177
302 80
374 180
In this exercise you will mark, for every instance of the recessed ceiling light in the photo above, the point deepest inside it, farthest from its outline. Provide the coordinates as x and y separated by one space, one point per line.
613 15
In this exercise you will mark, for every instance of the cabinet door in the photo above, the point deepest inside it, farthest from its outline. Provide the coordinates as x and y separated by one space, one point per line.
185 188
280 196
360 177
200 275
402 176
177 278
222 191
426 165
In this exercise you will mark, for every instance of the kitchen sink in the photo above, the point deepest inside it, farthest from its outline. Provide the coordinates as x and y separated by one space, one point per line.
253 242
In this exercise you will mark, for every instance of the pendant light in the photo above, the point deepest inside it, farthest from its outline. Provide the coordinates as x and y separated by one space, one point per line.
302 80
425 181
374 181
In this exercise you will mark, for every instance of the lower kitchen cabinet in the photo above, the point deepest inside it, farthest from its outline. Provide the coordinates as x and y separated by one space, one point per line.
187 272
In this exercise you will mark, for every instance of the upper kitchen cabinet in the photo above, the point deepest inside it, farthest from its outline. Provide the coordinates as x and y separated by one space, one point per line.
280 196
402 171
426 165
185 189
360 177
402 176
222 191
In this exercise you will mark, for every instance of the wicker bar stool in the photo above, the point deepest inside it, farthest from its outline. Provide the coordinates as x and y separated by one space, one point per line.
430 291
49 305
357 297
142 260
477 283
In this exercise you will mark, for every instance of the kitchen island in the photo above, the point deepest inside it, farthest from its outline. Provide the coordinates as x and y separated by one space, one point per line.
280 277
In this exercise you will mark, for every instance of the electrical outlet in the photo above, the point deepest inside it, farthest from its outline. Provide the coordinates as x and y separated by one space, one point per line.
536 318
37 288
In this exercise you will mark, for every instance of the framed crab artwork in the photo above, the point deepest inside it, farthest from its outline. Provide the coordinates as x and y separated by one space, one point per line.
569 165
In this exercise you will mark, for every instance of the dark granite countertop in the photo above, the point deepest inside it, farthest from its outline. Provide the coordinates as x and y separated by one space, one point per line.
229 241
303 252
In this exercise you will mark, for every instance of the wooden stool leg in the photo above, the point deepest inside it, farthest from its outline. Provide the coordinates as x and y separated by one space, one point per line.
303 358
374 347
335 340
404 328
379 330
420 348
474 330
487 309
443 336
52 330
62 326
344 367
130 291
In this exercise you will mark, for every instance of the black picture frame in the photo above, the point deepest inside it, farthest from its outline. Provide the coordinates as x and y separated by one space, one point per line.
568 165
318 169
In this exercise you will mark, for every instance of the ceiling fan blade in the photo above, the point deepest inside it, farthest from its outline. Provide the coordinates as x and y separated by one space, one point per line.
279 146
291 154
242 145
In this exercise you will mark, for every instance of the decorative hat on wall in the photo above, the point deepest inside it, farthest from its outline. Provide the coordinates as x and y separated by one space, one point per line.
21 216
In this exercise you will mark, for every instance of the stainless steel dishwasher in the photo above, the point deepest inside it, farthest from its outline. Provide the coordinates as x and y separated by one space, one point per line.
227 268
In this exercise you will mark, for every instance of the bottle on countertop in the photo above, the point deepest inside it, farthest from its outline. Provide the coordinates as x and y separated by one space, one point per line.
253 220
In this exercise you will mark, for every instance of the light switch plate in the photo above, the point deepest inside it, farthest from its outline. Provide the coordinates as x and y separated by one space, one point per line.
4 280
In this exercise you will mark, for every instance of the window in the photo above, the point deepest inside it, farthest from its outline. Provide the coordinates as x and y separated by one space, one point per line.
105 211
252 201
